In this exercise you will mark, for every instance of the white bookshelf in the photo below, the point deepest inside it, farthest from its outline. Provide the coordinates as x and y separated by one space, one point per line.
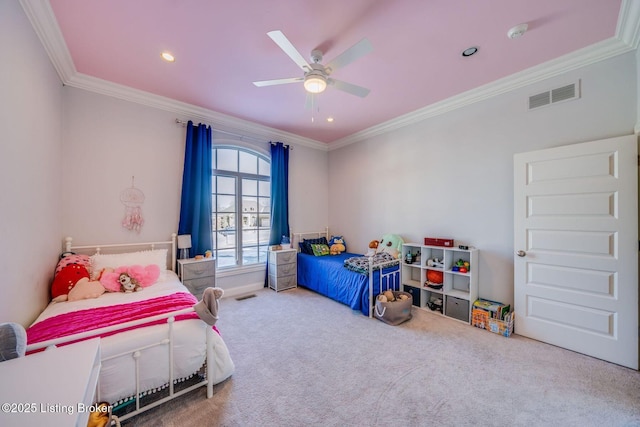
459 289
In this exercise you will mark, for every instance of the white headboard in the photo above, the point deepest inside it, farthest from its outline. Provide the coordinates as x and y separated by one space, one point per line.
297 237
126 247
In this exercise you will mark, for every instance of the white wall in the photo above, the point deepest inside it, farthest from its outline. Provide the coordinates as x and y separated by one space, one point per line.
30 168
451 175
107 141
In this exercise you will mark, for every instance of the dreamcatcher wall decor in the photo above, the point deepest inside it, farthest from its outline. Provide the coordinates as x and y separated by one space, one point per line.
132 198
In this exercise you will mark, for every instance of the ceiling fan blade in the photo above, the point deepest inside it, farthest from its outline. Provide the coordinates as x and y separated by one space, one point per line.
356 51
278 81
349 88
284 43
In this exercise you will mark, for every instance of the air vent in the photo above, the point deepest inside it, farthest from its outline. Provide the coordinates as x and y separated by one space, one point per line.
564 93
539 100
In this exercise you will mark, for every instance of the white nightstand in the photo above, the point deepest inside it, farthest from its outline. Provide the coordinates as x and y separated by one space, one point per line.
197 274
54 387
283 269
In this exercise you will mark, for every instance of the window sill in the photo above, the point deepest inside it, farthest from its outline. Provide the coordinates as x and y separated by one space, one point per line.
236 271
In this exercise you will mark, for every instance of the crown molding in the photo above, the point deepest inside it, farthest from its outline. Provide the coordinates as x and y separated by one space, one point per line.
46 27
187 111
628 28
43 20
626 39
580 58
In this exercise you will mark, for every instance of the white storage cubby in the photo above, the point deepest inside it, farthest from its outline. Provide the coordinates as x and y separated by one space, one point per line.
459 289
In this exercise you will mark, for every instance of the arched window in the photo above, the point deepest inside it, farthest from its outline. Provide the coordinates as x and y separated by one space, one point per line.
241 206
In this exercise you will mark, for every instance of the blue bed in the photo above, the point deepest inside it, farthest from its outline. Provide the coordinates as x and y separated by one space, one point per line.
327 276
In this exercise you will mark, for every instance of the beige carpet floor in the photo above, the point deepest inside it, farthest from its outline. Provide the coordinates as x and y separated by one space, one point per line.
304 360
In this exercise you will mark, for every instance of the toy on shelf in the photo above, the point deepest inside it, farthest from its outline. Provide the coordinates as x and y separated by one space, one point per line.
461 266
435 304
435 279
435 263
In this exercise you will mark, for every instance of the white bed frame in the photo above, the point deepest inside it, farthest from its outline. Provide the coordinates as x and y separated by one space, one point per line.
297 238
168 342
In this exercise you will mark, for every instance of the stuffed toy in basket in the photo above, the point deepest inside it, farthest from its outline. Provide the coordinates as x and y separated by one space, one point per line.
393 307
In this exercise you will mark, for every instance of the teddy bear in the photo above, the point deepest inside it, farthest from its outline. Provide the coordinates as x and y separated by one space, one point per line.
337 247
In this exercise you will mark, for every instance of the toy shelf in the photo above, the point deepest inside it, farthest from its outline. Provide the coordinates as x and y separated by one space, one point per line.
458 289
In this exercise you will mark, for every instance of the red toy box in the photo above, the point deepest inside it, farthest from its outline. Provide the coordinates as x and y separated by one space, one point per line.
432 241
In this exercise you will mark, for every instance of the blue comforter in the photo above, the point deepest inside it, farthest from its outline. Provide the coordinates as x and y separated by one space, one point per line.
327 276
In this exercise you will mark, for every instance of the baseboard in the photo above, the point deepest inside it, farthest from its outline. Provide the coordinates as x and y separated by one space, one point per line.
243 290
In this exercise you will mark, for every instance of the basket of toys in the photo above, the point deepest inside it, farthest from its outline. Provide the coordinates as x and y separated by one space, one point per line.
493 316
393 307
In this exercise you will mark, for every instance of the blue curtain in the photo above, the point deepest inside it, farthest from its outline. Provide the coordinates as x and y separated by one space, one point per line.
279 192
195 204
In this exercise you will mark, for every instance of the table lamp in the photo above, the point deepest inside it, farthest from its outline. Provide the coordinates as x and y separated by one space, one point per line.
184 244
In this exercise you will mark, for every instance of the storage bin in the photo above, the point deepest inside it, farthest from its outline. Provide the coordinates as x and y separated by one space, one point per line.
457 308
396 312
481 319
432 241
415 294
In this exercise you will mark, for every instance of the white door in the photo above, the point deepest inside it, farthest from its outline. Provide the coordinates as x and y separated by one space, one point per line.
576 243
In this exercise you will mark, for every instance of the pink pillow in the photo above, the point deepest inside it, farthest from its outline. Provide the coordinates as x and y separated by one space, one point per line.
142 277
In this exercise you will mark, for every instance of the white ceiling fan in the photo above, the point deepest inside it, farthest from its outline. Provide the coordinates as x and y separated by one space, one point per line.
316 75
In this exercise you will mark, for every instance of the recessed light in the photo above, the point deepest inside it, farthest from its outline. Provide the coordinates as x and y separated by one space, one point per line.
168 57
330 119
469 51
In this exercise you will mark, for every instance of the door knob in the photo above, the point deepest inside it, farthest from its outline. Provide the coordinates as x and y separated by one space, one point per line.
521 253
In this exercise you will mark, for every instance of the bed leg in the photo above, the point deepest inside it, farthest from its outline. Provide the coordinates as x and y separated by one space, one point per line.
371 302
210 366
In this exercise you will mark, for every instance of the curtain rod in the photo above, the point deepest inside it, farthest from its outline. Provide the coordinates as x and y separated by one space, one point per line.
242 137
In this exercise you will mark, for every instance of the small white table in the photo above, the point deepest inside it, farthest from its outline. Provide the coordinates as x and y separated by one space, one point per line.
55 387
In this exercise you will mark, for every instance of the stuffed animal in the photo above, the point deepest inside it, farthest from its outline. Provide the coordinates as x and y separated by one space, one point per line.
100 416
389 295
373 245
130 278
207 307
83 289
392 244
128 283
337 247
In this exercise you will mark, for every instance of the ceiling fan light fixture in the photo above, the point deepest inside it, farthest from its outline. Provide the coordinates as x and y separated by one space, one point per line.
167 56
315 83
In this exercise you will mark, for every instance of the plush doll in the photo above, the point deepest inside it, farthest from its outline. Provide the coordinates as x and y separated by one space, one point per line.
207 307
373 245
128 283
392 244
130 278
337 245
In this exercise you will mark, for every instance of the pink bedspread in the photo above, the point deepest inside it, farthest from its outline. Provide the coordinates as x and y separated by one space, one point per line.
95 318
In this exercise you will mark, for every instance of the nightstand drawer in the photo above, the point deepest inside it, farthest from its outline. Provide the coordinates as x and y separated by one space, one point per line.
197 286
283 269
196 270
282 283
282 257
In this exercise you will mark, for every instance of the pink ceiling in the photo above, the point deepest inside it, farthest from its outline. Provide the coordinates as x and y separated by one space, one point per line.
222 46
